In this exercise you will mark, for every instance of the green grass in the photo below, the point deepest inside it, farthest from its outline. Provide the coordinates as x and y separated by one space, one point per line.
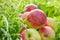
10 23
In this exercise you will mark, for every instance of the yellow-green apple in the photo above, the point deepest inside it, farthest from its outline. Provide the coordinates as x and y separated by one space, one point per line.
35 18
30 7
30 34
51 23
47 33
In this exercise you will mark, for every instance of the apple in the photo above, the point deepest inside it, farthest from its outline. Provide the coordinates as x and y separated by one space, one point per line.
35 18
51 23
47 33
30 7
30 34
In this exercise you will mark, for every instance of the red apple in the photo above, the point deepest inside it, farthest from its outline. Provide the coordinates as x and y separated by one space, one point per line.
51 23
36 18
30 7
30 34
47 33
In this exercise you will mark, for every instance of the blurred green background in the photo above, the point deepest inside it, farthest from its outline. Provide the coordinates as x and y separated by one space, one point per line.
10 24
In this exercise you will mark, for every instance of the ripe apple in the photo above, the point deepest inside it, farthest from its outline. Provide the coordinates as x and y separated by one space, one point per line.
51 23
30 34
47 33
30 7
35 18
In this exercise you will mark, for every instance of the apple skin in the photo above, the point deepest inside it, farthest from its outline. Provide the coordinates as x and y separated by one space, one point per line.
51 23
47 33
30 7
30 34
36 18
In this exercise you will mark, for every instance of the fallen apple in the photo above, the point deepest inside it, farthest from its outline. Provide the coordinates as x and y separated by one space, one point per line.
47 33
30 34
51 23
35 18
30 7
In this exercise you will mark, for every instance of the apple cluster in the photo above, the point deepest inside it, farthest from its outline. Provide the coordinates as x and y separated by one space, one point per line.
39 26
